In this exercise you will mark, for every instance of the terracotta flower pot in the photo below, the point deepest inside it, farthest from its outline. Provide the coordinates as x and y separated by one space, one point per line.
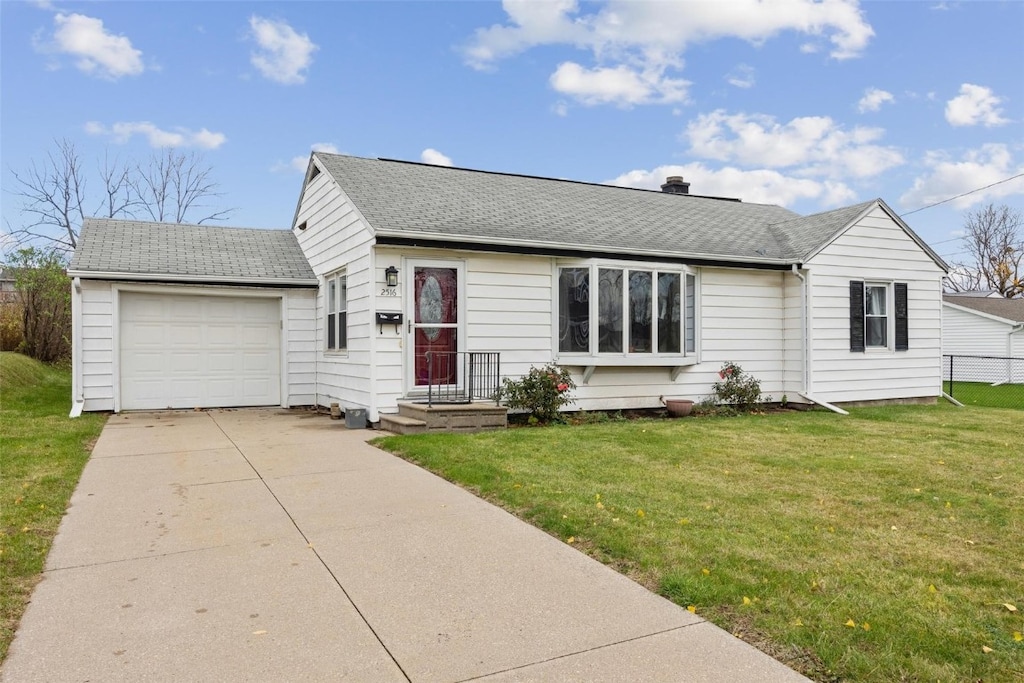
678 407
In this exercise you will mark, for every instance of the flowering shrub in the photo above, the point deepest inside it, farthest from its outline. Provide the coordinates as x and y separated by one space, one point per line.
541 392
737 388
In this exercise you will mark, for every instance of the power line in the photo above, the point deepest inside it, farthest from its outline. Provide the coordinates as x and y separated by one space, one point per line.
964 194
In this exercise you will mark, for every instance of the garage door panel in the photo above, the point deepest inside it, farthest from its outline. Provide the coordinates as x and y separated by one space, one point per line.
199 351
258 362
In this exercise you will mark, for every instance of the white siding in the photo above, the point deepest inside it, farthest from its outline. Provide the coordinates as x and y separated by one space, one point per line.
876 249
742 320
965 333
300 346
98 347
509 309
336 237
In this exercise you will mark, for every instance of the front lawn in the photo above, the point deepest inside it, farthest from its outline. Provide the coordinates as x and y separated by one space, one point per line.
882 546
42 453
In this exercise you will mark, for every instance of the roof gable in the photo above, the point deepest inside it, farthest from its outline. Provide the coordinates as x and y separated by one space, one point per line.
176 251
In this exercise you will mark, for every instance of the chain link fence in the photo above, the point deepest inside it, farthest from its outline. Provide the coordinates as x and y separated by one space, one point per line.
992 381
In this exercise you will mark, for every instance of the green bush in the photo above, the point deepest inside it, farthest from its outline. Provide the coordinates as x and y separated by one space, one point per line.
11 330
737 388
44 292
541 392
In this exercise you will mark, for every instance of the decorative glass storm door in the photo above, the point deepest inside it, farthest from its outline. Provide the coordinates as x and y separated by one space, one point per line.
435 326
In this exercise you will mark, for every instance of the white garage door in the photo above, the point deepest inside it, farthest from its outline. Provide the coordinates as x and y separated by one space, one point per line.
199 351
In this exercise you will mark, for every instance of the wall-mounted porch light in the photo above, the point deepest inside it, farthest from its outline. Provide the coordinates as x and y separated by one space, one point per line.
391 276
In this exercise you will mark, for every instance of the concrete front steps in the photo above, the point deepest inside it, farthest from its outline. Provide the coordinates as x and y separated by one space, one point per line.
417 418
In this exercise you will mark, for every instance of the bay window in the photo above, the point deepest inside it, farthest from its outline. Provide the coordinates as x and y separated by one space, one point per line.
635 311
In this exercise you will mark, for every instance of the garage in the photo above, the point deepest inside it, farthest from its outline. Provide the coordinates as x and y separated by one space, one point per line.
199 351
190 316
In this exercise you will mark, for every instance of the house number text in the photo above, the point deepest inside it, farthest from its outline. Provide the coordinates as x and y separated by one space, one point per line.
390 291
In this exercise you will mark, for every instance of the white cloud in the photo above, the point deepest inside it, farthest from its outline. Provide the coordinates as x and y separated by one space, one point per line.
977 168
300 163
873 100
762 186
96 51
636 44
742 76
975 105
123 131
560 108
432 156
284 54
816 144
620 85
663 30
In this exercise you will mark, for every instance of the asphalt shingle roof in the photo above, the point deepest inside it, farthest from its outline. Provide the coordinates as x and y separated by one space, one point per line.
1010 309
401 198
190 251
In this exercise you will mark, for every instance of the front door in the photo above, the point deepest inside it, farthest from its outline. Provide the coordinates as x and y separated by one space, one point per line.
434 324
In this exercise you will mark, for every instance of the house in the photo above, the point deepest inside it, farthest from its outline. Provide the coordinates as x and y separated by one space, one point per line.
641 294
980 331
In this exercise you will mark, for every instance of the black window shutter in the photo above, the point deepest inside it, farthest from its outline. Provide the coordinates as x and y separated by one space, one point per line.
856 315
902 334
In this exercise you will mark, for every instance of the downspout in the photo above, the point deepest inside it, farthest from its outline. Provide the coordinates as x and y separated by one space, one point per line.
805 348
77 391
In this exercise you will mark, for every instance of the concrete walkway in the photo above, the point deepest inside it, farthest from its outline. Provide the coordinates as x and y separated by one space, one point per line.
272 545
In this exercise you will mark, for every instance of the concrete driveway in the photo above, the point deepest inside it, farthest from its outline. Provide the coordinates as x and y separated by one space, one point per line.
273 545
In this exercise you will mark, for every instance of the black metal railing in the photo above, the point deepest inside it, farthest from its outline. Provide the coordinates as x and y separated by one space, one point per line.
993 381
462 376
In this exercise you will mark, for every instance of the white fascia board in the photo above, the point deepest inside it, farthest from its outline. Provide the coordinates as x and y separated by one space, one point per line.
199 279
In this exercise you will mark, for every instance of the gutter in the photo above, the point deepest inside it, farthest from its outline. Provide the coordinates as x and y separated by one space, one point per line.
77 391
412 238
804 342
194 279
824 404
805 349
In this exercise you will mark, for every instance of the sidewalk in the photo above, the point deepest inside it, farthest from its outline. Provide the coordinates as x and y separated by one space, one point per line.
273 545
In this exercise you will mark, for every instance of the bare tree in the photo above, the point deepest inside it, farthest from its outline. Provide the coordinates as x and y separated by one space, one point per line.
171 186
52 197
994 242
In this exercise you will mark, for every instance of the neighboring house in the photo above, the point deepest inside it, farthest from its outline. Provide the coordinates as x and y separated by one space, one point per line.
982 327
8 288
183 316
640 294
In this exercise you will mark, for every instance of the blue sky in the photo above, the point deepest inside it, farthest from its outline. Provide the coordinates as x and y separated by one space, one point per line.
811 105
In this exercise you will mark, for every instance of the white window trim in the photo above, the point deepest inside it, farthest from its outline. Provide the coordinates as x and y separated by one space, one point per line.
890 317
625 358
335 277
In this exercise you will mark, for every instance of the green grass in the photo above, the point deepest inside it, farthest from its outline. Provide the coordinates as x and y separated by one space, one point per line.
42 453
904 522
983 394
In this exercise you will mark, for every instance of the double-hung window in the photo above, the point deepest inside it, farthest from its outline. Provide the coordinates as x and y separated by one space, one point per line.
614 310
878 316
336 306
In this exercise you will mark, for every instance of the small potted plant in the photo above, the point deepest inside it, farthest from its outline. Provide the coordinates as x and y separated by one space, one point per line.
677 407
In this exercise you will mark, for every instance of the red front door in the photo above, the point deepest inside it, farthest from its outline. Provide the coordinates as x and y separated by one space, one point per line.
435 325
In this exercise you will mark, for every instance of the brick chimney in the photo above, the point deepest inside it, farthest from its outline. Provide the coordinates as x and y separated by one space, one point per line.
675 184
